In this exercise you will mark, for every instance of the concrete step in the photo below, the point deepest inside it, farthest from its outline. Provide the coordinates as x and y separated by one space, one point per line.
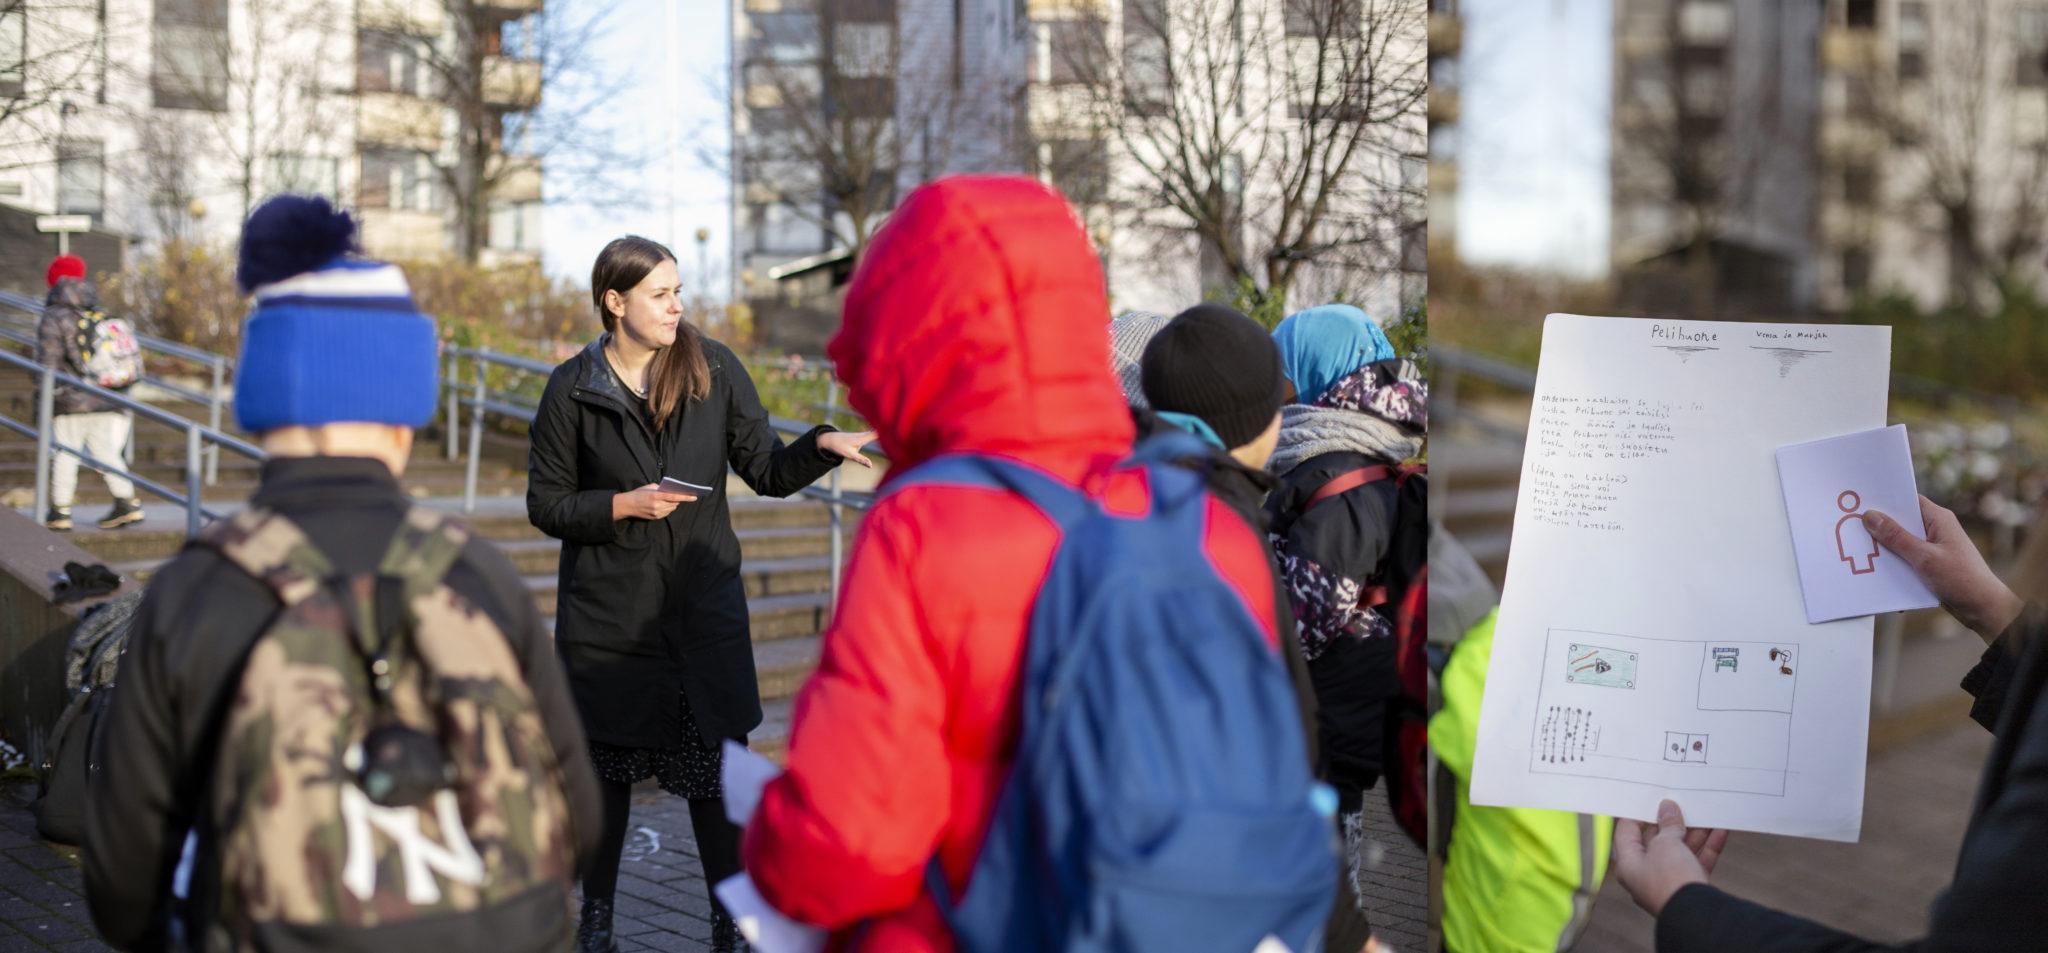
786 616
1478 507
771 740
795 554
763 576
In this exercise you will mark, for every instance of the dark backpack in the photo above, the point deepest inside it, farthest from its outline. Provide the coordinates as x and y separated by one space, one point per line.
310 843
1160 798
1398 589
93 656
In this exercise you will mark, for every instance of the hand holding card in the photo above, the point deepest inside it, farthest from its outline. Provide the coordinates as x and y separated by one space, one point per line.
672 485
1828 485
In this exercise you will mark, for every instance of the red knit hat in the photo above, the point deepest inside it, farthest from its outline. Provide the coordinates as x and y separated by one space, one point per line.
65 266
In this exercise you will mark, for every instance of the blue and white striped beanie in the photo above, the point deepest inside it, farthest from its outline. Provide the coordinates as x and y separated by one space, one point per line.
332 337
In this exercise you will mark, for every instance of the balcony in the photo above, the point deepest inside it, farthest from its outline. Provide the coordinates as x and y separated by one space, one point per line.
517 179
403 234
398 120
1064 9
1062 112
414 17
511 82
508 9
1443 106
1446 34
1851 51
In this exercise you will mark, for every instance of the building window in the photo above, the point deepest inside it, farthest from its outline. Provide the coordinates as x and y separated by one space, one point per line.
515 226
398 179
81 177
305 175
1706 22
1317 18
1705 91
13 50
2030 47
1913 40
785 37
864 50
1859 184
1079 168
779 229
1148 74
190 47
1070 51
391 63
1861 15
1855 270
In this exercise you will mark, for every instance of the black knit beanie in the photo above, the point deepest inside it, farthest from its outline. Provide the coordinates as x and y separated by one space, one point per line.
1214 363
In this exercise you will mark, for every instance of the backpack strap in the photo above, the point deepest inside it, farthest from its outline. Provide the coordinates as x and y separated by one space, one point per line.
1066 505
1375 595
271 548
1348 481
427 545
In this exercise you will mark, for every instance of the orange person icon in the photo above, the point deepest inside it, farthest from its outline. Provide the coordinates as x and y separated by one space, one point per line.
1852 540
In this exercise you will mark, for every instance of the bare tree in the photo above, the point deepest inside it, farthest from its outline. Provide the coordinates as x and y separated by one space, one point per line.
1678 150
51 52
277 97
492 74
1983 176
1275 132
839 117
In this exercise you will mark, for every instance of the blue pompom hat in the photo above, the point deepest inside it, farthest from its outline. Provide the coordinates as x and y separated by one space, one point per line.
332 337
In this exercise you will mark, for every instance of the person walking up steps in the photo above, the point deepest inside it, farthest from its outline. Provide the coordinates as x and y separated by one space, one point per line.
77 338
349 702
652 619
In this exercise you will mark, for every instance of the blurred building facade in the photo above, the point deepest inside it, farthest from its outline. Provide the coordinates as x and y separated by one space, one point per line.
1804 156
1446 43
1013 85
1716 107
170 119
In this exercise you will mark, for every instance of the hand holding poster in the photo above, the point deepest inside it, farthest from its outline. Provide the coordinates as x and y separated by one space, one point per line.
1652 639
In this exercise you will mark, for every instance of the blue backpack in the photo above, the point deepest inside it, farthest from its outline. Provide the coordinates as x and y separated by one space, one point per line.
1161 797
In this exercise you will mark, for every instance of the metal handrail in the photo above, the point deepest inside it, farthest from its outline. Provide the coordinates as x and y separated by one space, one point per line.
480 401
197 435
217 366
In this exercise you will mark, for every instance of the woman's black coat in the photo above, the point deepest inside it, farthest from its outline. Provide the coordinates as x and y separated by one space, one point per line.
648 609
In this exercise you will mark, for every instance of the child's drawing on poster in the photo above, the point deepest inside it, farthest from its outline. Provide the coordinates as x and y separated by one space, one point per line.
1652 640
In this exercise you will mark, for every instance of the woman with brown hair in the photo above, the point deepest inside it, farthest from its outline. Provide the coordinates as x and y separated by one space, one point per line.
651 620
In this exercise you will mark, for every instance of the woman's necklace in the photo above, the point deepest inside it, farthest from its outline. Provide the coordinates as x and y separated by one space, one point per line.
619 366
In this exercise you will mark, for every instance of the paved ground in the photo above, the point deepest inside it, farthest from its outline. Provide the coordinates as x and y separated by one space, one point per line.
1915 806
661 903
1396 889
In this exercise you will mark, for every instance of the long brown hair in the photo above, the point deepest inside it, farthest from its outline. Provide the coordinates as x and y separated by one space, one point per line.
679 370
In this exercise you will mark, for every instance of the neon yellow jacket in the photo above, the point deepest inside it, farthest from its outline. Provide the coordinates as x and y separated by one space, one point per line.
1517 880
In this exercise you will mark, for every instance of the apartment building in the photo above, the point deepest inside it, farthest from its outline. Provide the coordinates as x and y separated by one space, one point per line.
169 119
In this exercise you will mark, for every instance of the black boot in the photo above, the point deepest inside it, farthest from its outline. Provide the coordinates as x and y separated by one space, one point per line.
594 928
725 933
123 513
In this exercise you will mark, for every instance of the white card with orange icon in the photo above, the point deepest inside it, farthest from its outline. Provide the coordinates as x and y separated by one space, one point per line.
1829 484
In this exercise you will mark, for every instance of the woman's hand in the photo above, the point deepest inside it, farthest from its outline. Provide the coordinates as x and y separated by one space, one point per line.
1950 566
848 445
1654 860
649 502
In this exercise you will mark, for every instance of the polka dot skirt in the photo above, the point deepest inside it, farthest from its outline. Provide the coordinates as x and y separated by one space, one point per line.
689 770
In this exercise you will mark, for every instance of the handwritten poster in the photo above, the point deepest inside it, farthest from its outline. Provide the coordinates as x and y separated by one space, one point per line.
1652 639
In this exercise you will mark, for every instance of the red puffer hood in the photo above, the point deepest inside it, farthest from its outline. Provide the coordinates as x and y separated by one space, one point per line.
977 321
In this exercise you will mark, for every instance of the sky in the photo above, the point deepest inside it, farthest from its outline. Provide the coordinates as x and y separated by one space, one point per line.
1533 137
671 104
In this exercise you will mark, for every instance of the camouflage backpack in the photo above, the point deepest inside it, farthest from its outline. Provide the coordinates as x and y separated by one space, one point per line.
305 844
